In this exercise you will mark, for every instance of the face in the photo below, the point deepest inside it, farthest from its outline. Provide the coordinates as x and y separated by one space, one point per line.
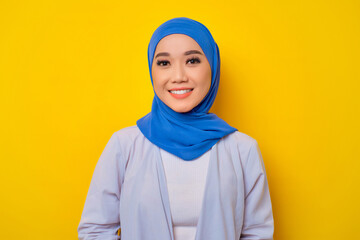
181 72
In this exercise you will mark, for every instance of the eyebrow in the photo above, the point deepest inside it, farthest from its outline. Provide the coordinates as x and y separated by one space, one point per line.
186 53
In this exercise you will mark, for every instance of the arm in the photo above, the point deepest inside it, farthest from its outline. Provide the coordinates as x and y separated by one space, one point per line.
258 217
100 217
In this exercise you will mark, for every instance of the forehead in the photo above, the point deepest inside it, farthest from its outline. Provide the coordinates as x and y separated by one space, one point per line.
177 42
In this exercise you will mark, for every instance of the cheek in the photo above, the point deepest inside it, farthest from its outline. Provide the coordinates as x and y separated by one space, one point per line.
157 81
205 77
157 87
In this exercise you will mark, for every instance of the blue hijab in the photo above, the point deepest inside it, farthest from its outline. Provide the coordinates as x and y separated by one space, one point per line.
191 134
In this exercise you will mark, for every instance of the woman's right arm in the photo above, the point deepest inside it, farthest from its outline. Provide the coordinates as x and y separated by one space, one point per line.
100 217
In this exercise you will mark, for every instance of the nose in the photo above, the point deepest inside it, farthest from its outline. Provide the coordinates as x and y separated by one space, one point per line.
179 74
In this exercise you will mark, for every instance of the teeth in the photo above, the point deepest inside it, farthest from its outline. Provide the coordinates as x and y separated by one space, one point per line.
181 91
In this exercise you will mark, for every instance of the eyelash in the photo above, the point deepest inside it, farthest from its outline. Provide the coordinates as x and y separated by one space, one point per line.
159 62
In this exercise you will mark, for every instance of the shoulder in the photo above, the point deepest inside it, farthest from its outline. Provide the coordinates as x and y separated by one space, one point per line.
130 140
240 139
128 133
247 149
128 136
239 145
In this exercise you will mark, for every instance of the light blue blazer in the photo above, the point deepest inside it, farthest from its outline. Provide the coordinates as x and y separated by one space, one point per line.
128 190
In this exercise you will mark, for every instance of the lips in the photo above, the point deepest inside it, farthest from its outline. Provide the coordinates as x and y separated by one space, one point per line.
180 93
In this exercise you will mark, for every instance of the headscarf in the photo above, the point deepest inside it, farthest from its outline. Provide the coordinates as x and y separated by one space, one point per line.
191 134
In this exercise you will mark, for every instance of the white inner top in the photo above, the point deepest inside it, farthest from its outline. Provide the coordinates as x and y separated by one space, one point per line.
186 184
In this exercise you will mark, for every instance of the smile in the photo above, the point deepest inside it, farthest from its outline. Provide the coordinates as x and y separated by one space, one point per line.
182 93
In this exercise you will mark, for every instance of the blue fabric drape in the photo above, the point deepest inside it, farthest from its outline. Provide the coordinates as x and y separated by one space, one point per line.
186 135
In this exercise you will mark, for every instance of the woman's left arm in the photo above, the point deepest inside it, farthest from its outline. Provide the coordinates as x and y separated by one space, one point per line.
258 218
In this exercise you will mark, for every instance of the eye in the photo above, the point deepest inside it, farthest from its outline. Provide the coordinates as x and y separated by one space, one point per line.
193 60
162 63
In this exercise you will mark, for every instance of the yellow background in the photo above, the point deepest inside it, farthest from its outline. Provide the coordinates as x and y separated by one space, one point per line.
74 72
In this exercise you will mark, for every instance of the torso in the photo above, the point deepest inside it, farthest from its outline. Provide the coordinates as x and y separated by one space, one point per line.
185 183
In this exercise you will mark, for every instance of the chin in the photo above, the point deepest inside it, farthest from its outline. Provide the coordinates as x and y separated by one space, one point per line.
181 109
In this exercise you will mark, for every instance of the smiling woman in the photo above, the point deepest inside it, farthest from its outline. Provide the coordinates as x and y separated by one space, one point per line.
181 73
181 173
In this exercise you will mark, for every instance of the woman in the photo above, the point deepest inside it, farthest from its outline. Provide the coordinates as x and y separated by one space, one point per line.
181 172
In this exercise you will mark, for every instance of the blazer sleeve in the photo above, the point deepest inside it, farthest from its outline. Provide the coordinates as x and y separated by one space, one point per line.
258 218
100 217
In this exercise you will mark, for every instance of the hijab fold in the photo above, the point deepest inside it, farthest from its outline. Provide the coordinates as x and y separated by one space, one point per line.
191 134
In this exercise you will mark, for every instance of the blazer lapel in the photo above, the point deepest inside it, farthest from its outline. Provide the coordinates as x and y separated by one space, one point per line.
163 191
